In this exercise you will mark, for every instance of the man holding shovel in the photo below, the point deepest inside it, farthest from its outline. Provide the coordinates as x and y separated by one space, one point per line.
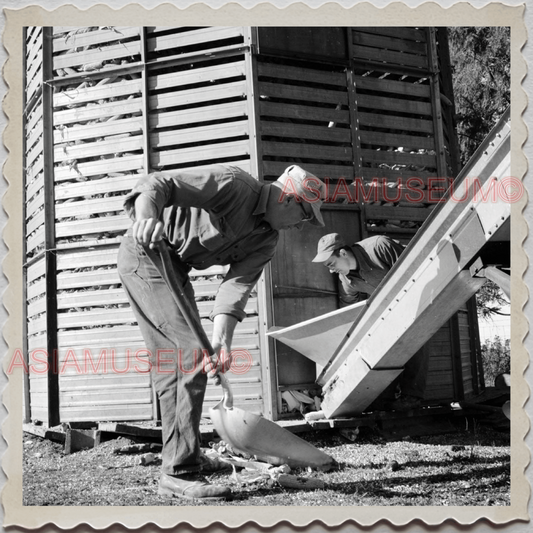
215 215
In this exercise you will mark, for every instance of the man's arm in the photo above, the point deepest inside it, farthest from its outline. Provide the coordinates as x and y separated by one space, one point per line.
348 294
223 328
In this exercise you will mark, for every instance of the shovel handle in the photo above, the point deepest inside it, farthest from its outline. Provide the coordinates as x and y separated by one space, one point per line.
165 268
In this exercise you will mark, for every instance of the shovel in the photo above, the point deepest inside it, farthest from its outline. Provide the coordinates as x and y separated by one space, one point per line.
245 432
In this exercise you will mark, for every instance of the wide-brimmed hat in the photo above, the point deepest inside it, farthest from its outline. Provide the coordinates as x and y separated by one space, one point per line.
296 181
327 245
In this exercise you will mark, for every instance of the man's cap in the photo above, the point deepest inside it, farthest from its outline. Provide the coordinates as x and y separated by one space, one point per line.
327 245
295 180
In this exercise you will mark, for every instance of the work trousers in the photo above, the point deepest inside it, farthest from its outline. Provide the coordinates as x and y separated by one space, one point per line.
176 358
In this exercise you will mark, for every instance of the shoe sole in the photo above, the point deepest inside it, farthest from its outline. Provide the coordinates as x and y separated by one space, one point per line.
171 494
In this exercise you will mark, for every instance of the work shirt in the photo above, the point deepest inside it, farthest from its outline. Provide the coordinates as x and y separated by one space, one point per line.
375 256
214 216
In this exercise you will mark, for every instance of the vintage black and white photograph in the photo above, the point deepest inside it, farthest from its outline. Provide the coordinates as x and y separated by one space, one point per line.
266 265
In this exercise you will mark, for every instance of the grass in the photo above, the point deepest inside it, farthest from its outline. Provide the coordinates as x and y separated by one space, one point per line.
459 469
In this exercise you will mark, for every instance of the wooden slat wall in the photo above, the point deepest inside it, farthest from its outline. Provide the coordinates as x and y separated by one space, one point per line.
395 125
305 120
196 113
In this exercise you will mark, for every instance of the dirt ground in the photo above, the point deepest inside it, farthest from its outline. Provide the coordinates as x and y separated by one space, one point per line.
468 468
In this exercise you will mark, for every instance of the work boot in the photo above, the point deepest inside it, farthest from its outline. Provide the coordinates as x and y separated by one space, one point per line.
191 487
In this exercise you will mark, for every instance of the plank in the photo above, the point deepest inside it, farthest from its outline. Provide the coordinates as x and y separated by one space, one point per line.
76 382
307 94
209 74
165 119
199 95
35 117
384 42
111 52
157 43
44 432
35 240
397 213
99 130
94 111
33 137
398 158
199 134
80 299
304 131
96 93
33 206
84 170
80 259
412 34
392 86
91 226
100 317
125 412
113 397
89 207
98 148
100 186
408 142
314 76
87 279
303 112
34 177
96 37
393 104
312 151
334 172
35 151
201 153
35 222
403 175
36 307
389 57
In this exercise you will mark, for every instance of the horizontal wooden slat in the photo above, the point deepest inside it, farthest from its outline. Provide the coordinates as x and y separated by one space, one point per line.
126 163
35 204
199 134
398 158
378 120
100 317
413 34
93 225
392 86
389 57
196 96
200 114
35 222
393 104
396 213
393 139
88 57
35 152
101 129
77 39
406 176
200 153
100 186
108 110
158 43
334 172
304 131
87 279
98 257
98 148
104 413
33 137
35 240
303 112
80 299
389 43
99 92
332 153
311 75
197 75
307 94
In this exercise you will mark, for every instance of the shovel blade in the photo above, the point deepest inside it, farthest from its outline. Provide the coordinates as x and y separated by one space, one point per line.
251 433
